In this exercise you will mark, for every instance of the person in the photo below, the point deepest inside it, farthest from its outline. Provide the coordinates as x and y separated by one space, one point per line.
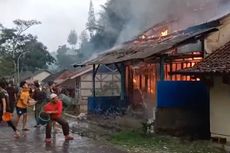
22 104
51 89
12 96
40 97
54 108
4 106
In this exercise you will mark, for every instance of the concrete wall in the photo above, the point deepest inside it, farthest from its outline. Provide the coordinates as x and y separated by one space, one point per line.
219 38
182 122
220 109
179 110
102 80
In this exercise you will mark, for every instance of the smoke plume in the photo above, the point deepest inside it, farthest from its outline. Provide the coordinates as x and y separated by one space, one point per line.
146 13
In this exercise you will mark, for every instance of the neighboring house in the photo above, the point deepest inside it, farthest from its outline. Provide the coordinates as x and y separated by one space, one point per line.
79 82
215 72
38 75
52 77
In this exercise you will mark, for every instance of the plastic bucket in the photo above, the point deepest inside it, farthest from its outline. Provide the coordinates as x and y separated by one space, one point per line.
43 118
7 116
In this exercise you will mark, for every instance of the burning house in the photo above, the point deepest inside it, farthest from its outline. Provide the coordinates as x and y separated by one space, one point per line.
147 66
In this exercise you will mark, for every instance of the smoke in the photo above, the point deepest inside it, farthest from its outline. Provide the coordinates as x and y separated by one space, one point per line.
146 13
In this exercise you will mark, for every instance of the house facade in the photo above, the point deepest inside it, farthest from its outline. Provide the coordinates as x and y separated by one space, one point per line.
215 72
79 84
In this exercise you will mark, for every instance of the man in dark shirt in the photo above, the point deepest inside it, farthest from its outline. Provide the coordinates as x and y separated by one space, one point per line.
4 105
12 96
40 97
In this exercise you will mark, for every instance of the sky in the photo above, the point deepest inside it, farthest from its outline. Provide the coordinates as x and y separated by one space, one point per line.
58 17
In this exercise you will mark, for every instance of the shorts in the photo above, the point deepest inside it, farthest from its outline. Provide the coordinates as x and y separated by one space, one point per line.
21 111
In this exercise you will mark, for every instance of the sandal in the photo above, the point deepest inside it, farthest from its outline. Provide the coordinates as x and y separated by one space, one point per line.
25 129
48 140
69 138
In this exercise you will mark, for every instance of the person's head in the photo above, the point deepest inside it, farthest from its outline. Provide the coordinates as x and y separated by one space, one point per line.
53 97
24 84
11 83
36 84
50 83
3 83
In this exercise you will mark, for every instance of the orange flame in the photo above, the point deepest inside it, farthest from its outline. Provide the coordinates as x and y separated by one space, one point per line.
164 33
134 81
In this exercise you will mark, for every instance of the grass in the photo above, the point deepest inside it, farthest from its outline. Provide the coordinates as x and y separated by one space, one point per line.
135 141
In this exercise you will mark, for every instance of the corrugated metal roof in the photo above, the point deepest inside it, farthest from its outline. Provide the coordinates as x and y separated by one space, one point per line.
216 63
142 50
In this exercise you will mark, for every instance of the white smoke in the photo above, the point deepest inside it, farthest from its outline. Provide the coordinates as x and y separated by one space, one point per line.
146 13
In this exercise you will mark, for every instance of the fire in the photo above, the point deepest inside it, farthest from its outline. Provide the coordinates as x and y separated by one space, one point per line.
134 81
164 33
143 37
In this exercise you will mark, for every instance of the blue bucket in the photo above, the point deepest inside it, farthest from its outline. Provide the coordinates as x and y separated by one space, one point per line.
43 118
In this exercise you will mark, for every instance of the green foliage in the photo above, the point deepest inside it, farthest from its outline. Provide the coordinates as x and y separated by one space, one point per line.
135 141
65 59
6 66
108 28
72 38
91 24
38 56
14 44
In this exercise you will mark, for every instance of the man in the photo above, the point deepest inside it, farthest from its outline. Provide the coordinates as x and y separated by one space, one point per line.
22 104
54 108
12 95
4 105
40 97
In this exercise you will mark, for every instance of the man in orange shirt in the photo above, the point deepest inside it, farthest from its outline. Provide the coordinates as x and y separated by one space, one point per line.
54 108
22 104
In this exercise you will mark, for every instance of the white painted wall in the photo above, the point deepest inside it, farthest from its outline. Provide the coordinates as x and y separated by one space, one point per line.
86 86
220 109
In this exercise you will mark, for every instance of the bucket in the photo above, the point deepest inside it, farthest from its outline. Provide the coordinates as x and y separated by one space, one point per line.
43 118
7 116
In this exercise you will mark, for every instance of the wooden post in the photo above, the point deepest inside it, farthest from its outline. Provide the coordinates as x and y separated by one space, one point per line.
122 69
162 72
94 83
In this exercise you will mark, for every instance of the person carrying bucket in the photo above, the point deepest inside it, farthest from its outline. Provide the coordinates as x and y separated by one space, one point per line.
5 114
40 97
54 109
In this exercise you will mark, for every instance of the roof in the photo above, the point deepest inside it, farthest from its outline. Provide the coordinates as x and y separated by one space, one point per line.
81 71
72 74
28 74
52 77
139 50
217 62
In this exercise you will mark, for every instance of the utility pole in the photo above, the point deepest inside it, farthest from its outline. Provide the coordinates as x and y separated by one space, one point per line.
18 64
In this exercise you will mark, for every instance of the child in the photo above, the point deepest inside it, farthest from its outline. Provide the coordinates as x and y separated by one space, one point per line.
54 108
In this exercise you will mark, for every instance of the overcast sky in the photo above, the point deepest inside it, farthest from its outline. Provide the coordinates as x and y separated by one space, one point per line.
58 17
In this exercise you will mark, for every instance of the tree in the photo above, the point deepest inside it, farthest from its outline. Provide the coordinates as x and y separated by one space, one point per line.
72 38
6 66
91 24
23 25
13 44
38 56
64 60
84 38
